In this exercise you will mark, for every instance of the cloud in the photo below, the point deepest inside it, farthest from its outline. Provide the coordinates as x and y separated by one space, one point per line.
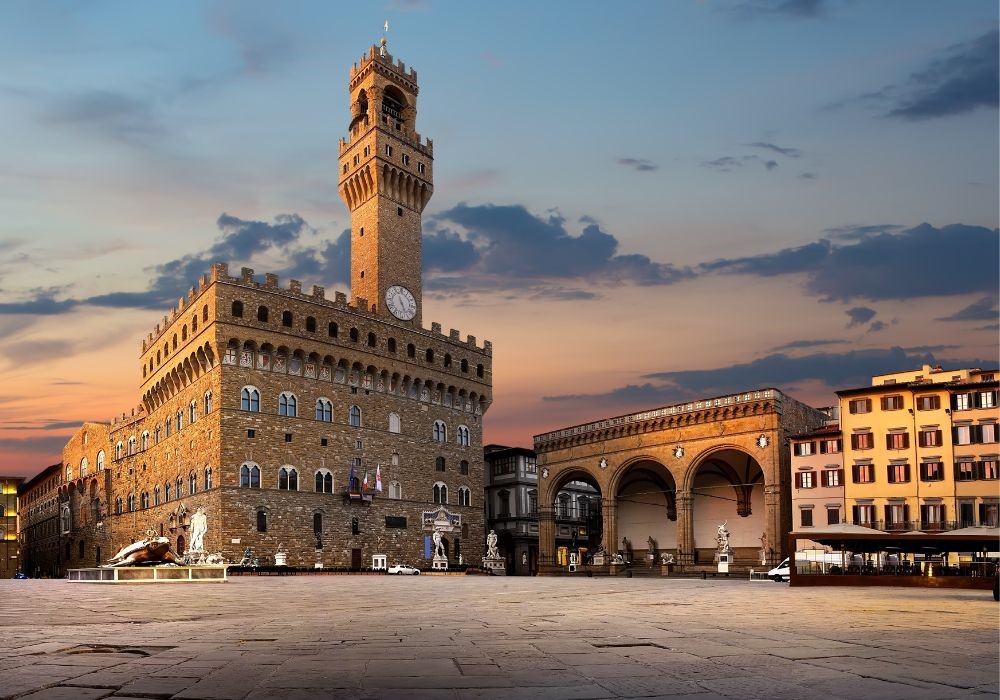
918 262
771 164
262 45
960 79
781 150
41 303
860 315
112 115
876 327
807 176
727 164
856 231
839 370
513 244
640 164
786 9
800 344
989 327
984 309
446 251
50 446
30 352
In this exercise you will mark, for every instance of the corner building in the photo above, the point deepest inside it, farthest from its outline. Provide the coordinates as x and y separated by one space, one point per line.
267 405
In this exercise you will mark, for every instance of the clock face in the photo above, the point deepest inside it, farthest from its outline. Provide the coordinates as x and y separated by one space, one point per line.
400 302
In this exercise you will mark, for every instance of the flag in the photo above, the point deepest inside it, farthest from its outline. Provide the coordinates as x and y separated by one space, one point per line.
378 477
351 478
364 484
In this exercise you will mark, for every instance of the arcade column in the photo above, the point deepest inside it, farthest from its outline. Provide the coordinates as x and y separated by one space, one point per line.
685 528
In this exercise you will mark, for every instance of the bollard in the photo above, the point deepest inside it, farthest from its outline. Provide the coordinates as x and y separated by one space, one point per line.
704 576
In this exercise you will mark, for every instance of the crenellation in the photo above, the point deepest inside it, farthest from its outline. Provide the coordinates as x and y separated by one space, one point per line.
295 287
319 292
454 334
246 275
361 303
270 279
436 328
340 299
470 340
220 271
487 346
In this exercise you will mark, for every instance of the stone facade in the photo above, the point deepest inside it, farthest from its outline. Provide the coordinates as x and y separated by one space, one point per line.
38 522
10 554
260 401
671 476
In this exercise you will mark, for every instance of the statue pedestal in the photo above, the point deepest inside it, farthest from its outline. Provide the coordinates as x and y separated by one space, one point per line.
439 563
598 559
725 557
281 559
495 565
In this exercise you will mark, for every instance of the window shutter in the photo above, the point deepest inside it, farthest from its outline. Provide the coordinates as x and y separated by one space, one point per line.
868 405
954 435
906 440
906 513
888 441
978 468
798 480
938 440
840 473
906 472
884 401
888 515
856 516
944 513
958 471
982 513
921 439
822 447
854 474
923 513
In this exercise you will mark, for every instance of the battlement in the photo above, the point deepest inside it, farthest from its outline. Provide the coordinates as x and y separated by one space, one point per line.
417 142
138 414
317 295
380 56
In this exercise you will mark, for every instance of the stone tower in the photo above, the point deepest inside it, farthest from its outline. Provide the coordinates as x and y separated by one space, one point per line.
386 181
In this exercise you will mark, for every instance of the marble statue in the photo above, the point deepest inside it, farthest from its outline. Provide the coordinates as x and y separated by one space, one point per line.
722 537
763 548
199 526
438 544
491 546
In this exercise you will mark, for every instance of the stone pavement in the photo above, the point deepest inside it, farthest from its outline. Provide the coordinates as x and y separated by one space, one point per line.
476 637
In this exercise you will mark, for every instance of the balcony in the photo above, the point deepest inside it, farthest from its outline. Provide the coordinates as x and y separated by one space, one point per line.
357 496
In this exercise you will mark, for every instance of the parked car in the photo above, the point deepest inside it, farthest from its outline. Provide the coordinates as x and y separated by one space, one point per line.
780 573
21 575
403 569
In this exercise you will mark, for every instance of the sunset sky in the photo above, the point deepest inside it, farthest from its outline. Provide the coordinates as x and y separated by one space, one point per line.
637 203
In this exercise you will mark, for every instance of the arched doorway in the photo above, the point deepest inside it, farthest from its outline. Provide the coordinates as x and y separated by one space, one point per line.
727 487
578 518
646 510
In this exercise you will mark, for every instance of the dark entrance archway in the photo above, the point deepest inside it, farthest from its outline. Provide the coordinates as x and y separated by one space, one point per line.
727 487
574 520
645 510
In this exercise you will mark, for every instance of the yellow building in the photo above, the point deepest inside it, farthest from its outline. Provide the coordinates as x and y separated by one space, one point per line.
920 450
9 549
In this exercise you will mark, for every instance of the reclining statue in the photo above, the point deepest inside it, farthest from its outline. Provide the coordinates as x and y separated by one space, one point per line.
147 552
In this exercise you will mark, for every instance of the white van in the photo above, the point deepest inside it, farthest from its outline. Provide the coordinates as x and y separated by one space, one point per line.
779 573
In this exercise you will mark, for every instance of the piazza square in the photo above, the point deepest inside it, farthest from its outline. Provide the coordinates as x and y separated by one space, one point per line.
430 636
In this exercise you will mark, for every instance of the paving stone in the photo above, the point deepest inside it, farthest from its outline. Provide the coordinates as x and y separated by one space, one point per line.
63 693
156 686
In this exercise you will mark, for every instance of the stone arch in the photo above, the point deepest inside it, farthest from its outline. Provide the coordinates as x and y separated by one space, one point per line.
645 496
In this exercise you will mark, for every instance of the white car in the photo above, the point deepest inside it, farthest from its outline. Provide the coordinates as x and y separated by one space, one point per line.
779 573
403 569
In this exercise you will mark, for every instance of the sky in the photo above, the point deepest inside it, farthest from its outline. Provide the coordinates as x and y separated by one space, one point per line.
638 204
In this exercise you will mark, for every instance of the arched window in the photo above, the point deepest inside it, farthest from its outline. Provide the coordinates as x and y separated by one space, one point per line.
131 445
180 487
180 419
439 433
83 467
118 506
439 464
355 417
168 426
287 404
332 330
372 340
395 459
261 520
324 481
463 467
166 492
429 355
192 411
208 402
184 332
100 461
204 313
447 360
192 483
324 410
118 455
286 319
310 324
479 370
440 493
157 434
354 335
131 503
69 471
318 526
390 345
463 436
144 441
411 350
237 309
208 478
249 476
464 496
395 490
394 423
250 399
144 500
175 341
288 479
194 324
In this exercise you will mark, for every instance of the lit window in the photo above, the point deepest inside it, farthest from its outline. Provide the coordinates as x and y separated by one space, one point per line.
899 473
864 473
805 480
